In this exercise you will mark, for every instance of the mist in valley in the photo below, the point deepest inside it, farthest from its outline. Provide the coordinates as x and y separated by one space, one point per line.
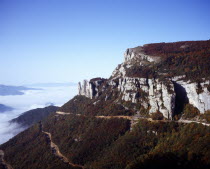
48 95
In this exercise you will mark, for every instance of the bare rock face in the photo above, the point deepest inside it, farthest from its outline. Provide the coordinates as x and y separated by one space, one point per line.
133 56
153 94
146 92
199 99
138 54
85 89
149 93
161 97
90 88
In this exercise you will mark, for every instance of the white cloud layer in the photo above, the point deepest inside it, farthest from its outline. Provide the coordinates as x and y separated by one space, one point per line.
32 99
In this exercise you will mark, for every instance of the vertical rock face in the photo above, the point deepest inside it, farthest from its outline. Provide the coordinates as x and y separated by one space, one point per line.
85 89
199 99
129 54
161 97
149 93
90 88
156 94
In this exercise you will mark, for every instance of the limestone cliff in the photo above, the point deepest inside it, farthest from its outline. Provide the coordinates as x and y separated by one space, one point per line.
90 88
140 80
199 99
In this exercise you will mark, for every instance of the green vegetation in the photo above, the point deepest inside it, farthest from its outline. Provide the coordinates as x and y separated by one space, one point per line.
159 145
81 139
190 58
86 106
107 143
33 116
157 116
206 116
31 150
190 111
145 71
84 138
77 105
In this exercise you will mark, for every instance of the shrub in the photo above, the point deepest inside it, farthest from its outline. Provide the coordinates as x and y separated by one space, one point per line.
157 116
190 111
144 112
206 116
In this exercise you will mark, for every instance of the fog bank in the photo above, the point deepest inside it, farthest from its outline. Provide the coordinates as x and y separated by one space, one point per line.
31 99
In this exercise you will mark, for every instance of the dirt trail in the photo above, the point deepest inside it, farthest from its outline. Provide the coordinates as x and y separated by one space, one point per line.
191 121
104 117
134 119
3 162
109 117
62 113
57 152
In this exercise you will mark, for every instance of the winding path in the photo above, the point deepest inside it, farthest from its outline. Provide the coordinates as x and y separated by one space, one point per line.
57 152
191 121
134 119
103 117
3 162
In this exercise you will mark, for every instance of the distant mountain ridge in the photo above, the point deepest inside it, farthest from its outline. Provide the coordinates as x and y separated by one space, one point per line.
13 90
33 116
4 108
52 84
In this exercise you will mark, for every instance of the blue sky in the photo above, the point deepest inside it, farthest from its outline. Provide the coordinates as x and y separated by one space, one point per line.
71 40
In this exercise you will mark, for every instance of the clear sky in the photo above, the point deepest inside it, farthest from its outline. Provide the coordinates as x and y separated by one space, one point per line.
71 40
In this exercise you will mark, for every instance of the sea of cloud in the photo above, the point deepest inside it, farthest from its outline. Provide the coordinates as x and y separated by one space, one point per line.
32 99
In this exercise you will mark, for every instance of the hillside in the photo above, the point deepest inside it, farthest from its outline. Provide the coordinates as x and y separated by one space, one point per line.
162 77
189 58
13 90
107 143
153 112
31 117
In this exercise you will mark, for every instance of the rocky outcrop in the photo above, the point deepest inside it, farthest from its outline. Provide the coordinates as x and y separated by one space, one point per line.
154 94
149 93
90 88
133 56
161 97
197 94
85 89
138 54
